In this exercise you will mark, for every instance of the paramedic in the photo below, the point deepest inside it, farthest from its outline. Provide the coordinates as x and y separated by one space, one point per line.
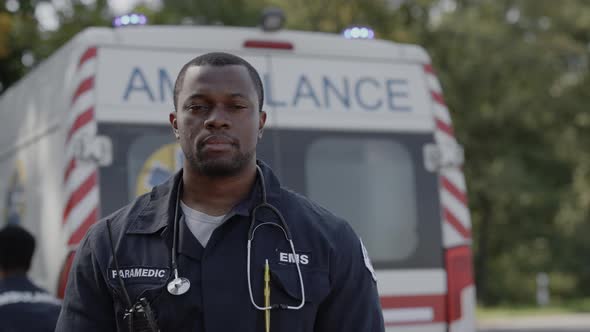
23 306
209 249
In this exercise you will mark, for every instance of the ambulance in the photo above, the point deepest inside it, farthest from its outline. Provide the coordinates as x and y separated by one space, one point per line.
358 125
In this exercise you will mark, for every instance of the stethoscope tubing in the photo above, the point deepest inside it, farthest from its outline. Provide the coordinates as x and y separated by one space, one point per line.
289 238
178 285
248 263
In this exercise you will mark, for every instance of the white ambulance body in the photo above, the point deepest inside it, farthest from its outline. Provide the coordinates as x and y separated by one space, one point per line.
360 126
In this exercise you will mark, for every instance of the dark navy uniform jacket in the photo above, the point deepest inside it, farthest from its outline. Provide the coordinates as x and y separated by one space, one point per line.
26 307
340 290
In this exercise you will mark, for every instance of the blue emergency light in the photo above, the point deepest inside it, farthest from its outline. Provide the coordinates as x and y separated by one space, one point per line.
129 19
358 32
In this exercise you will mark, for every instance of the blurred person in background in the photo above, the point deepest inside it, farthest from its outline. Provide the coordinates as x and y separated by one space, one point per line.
23 306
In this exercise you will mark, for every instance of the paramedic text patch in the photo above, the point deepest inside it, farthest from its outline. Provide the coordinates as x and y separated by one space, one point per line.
140 273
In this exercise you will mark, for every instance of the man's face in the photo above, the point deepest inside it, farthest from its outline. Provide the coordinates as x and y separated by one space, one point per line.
217 121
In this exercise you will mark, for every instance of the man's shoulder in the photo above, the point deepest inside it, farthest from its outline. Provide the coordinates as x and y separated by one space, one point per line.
28 309
311 214
19 283
294 199
21 290
315 225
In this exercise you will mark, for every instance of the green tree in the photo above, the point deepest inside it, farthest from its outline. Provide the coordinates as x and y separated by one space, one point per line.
508 68
18 35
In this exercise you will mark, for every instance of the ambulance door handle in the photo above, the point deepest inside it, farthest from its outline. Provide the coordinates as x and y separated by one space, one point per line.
441 156
94 149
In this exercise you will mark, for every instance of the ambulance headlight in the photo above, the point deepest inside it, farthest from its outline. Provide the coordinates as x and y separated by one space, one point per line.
129 19
273 19
358 32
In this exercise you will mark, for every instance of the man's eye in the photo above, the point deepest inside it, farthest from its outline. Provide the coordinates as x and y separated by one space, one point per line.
239 106
197 107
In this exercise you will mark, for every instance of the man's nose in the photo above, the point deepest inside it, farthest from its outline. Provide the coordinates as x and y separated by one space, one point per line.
218 118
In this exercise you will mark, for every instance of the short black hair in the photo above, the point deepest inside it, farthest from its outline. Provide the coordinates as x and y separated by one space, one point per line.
16 248
220 59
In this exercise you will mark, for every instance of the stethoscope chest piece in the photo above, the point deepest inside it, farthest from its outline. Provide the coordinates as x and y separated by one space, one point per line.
179 286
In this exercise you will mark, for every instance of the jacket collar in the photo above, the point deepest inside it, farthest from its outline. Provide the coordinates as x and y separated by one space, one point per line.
159 211
16 281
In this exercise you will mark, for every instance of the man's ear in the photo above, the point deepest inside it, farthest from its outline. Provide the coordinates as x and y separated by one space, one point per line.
261 122
174 123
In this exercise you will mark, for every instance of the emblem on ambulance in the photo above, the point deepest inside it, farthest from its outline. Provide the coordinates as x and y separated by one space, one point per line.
368 264
14 205
159 166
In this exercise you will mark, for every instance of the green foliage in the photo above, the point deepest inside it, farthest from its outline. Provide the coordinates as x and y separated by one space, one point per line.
205 12
515 74
18 33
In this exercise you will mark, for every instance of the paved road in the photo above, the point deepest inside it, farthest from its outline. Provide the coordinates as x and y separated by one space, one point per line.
552 329
559 323
585 329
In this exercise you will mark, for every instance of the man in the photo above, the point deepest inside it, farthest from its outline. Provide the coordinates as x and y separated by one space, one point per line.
23 306
178 258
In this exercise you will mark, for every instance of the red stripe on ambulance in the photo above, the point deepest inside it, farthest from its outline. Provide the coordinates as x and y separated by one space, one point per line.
69 169
79 194
83 119
81 231
443 126
89 54
454 213
85 86
438 97
457 225
82 207
428 69
454 190
458 261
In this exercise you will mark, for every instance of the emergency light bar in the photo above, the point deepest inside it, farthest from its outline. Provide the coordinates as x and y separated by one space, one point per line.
358 32
129 19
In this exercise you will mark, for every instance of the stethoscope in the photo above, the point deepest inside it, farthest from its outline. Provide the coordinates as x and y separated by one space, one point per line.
180 285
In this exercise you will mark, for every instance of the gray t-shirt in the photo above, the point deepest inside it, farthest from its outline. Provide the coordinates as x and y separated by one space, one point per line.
201 224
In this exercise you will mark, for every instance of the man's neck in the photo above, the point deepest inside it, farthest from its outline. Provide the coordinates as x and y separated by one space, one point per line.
216 195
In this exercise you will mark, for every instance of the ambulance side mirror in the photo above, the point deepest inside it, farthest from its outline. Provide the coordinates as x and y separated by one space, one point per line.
94 149
441 156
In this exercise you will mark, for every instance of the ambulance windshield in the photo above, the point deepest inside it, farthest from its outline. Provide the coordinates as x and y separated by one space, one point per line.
370 182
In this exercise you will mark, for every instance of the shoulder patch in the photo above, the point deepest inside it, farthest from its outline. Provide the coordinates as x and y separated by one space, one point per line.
368 264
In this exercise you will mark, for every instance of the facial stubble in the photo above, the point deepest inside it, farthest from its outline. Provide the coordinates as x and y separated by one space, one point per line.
213 166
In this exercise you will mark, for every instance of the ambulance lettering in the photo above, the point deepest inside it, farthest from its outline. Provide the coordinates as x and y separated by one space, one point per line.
329 93
138 86
317 92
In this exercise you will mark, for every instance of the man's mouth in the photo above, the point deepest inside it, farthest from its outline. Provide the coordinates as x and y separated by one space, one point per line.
217 143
